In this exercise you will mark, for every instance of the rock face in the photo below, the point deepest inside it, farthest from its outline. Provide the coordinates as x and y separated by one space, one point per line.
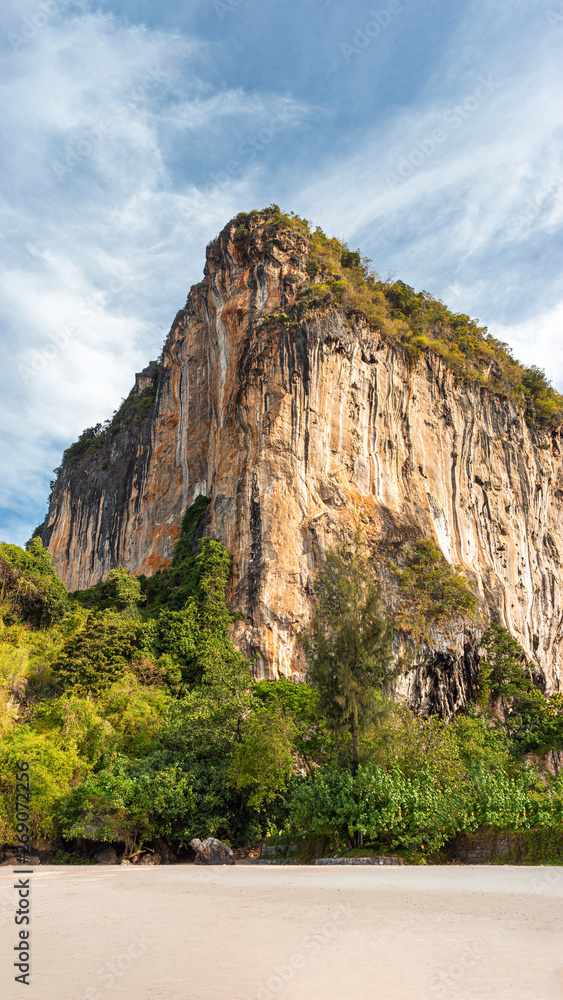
212 852
295 429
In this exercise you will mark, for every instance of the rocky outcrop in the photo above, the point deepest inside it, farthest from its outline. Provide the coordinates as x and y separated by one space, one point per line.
212 852
296 428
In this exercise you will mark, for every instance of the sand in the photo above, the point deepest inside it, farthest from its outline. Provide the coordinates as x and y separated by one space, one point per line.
288 933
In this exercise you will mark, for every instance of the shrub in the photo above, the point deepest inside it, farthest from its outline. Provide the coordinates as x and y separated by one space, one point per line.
98 653
53 771
431 592
129 801
120 592
30 590
394 811
387 808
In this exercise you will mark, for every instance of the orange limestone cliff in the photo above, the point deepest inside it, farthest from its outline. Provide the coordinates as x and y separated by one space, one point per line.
297 426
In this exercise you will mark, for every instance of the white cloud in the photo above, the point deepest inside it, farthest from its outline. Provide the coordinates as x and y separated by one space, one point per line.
142 144
102 239
538 342
461 191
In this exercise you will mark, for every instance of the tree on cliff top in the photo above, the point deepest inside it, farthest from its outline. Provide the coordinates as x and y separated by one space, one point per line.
349 644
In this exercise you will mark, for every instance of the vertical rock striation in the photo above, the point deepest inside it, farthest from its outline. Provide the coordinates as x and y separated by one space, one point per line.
295 428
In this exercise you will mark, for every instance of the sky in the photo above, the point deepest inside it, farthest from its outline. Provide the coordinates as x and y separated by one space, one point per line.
428 133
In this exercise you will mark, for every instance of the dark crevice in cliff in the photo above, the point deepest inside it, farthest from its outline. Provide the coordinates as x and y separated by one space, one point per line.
445 682
255 560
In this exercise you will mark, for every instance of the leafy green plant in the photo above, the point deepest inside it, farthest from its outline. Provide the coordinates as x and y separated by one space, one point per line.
30 590
431 591
63 857
263 761
98 653
129 801
349 644
53 771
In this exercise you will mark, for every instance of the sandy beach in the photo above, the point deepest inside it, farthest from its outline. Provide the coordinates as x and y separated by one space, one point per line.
288 932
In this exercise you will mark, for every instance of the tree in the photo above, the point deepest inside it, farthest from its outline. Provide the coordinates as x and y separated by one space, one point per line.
30 590
505 676
349 644
126 591
98 653
263 761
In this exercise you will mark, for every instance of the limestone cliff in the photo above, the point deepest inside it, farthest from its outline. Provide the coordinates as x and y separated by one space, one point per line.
294 427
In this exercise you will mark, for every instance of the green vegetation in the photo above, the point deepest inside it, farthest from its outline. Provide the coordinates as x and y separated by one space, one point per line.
134 409
141 721
431 592
349 645
341 278
30 590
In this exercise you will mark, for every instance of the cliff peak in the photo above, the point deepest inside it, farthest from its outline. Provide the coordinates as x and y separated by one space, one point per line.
305 396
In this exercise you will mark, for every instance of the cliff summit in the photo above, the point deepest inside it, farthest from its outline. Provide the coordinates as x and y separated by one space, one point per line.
304 397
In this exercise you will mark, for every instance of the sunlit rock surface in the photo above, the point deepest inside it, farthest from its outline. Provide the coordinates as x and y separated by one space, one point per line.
294 429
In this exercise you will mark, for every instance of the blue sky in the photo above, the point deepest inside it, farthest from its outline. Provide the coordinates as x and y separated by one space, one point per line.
429 134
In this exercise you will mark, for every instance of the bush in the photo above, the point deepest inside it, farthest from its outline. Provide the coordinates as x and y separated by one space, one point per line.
98 653
388 809
30 590
394 811
431 592
120 592
53 771
129 801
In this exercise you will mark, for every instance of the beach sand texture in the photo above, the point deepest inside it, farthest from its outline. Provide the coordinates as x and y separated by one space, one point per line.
288 933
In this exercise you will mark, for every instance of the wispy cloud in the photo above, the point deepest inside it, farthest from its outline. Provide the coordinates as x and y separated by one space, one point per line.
126 147
102 234
461 191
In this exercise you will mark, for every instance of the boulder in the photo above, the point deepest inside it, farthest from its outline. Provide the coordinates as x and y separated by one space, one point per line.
149 859
107 857
9 858
212 852
167 855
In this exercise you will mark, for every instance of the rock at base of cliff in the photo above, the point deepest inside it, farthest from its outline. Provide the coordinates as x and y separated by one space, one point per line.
212 852
107 857
167 855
